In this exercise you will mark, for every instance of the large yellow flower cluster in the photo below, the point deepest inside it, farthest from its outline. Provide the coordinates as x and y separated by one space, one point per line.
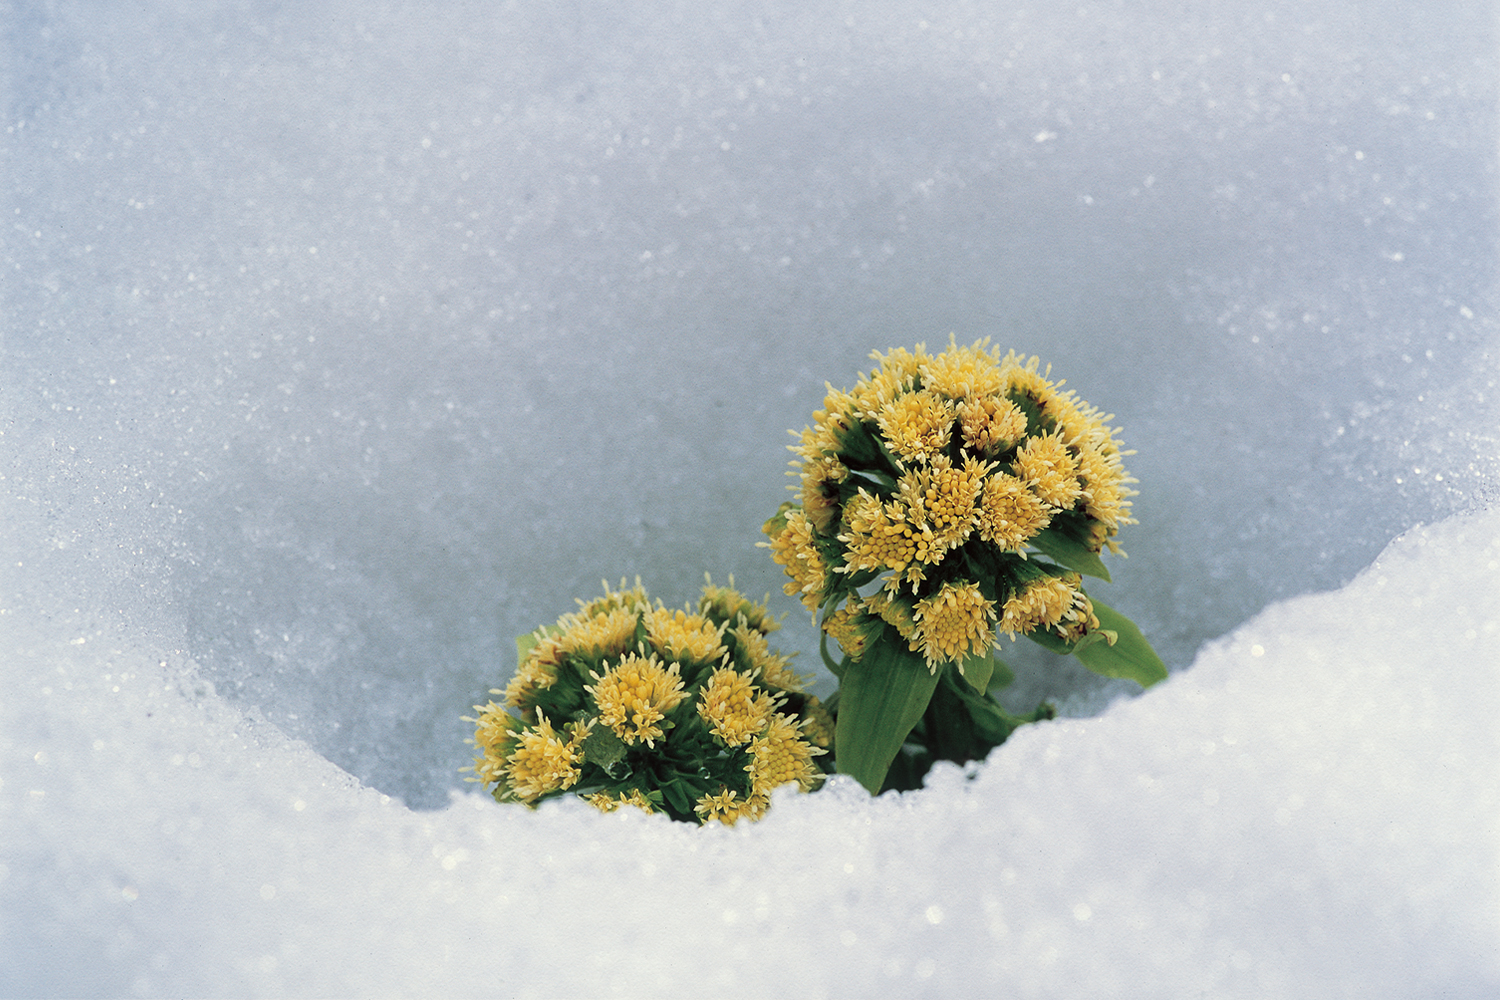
943 477
624 702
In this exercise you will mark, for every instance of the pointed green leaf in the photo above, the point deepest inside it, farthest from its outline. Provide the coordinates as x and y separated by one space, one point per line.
1002 676
1129 656
1115 649
676 797
1070 552
976 670
881 698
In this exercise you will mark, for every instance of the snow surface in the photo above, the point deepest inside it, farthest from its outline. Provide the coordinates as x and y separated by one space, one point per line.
344 342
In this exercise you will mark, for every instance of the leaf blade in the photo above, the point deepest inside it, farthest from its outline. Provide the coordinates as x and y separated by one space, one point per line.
1070 552
1129 656
881 697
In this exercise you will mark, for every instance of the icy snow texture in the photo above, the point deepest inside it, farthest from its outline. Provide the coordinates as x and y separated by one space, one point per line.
1310 810
343 342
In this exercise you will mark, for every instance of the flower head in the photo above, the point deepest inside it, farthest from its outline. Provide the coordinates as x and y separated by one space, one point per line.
916 425
727 806
635 695
880 536
955 623
1050 602
964 373
755 651
725 604
942 500
792 546
780 756
495 737
734 710
1050 470
543 761
536 672
1010 515
684 636
990 425
633 599
606 634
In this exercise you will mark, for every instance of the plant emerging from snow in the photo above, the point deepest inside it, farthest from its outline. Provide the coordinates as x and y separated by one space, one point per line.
944 498
689 712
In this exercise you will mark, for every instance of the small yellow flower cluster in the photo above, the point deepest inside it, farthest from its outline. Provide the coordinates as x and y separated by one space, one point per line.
940 476
688 712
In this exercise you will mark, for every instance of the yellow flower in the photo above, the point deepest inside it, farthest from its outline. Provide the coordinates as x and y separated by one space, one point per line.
817 724
734 710
819 494
852 628
774 668
896 611
1022 380
633 599
1050 602
543 762
679 635
780 755
1009 513
916 425
829 425
635 695
793 548
727 807
727 604
537 671
941 500
494 737
1105 495
1050 469
879 536
898 373
990 425
608 634
964 372
955 623
605 802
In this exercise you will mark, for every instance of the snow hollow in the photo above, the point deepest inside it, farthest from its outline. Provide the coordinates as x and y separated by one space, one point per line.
340 343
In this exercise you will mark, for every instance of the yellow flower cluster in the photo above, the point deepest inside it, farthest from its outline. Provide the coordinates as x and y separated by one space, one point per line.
635 695
624 702
941 476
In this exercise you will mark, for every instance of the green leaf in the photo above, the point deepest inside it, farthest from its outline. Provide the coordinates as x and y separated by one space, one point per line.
1116 649
988 723
1071 552
976 670
1002 676
1048 639
836 669
604 748
676 798
881 698
1129 656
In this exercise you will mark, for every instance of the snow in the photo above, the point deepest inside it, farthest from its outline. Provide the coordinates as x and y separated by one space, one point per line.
344 342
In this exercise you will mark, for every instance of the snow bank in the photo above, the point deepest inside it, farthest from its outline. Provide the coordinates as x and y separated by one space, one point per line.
1311 810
